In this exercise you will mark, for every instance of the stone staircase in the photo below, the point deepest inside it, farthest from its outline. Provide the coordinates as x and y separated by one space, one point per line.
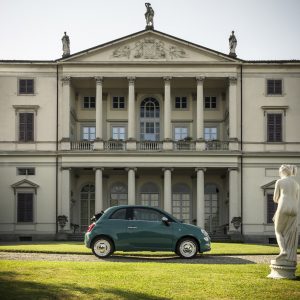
77 236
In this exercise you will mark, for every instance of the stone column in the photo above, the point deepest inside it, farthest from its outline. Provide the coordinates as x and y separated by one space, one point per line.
64 208
65 113
200 197
200 144
98 190
98 144
233 114
167 190
167 115
234 196
131 185
131 144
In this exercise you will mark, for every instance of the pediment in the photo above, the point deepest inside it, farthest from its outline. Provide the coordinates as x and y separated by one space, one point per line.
270 185
24 184
148 46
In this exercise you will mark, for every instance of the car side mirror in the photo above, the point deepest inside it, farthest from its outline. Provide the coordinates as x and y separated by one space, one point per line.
165 220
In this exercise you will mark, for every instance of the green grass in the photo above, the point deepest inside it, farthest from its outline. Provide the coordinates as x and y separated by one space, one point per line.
79 248
144 280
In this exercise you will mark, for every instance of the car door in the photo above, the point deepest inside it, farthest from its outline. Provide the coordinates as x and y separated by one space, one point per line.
147 231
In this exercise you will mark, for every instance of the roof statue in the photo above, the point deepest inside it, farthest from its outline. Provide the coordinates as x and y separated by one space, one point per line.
149 16
66 45
232 44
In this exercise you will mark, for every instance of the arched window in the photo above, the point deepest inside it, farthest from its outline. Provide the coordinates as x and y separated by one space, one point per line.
87 205
181 202
149 120
211 208
118 194
150 194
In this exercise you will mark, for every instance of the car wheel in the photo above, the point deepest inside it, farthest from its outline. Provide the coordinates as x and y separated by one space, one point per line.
102 247
187 248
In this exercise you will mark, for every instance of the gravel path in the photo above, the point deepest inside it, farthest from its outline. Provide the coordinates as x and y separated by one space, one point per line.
201 259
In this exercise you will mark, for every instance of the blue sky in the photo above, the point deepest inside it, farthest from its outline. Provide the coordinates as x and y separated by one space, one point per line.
265 29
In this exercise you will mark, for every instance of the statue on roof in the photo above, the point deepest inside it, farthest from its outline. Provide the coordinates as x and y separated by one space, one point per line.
149 16
66 45
232 44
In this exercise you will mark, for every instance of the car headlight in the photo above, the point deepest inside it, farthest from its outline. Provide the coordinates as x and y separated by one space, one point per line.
204 232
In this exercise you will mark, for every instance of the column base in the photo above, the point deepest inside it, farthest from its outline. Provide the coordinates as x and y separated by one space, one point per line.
282 270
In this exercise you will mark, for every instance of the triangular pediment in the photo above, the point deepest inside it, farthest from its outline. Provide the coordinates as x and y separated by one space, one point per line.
270 185
24 184
149 46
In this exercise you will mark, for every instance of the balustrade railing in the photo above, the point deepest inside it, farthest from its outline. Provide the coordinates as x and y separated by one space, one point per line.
115 145
184 145
82 145
216 145
149 145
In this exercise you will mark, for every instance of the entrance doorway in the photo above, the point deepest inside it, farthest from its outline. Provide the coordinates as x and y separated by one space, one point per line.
87 205
211 208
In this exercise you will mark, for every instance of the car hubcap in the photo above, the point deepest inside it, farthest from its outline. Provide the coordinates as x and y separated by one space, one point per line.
188 249
102 247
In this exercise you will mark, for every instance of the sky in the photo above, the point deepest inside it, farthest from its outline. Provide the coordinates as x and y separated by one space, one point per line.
265 29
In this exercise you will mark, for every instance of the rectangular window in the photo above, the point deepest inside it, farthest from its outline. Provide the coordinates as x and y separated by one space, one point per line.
26 127
26 86
118 102
89 102
26 171
210 102
89 133
274 87
210 133
118 133
271 208
181 102
25 207
180 133
274 127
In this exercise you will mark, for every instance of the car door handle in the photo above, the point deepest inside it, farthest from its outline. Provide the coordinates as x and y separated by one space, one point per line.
132 227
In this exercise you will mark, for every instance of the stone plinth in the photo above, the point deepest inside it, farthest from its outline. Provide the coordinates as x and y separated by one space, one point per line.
282 270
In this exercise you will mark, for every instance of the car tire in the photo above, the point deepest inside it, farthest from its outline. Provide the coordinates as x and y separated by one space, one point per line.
187 248
102 247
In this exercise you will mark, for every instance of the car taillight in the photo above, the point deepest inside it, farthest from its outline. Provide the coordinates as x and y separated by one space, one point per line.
91 227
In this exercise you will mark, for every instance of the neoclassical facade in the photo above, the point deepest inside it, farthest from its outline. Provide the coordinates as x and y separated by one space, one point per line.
146 119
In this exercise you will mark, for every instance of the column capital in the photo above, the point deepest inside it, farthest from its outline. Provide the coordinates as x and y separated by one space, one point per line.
232 80
200 79
200 169
66 80
131 79
99 79
98 168
167 169
128 169
167 79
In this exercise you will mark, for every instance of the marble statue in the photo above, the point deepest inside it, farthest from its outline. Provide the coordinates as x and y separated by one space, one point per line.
66 45
149 16
286 195
232 44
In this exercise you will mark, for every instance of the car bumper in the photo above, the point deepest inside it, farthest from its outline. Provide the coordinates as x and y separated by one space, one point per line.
87 240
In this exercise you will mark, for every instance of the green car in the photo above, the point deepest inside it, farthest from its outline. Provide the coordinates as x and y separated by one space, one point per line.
144 228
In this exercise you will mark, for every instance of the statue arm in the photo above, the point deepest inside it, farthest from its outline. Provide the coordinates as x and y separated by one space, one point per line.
276 192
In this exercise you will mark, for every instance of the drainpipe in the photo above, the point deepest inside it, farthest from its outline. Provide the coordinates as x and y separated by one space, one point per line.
242 150
56 158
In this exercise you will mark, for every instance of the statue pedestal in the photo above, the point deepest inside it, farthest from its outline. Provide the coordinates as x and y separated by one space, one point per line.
282 270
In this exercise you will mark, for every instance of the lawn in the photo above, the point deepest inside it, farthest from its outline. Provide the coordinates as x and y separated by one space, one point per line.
142 280
79 248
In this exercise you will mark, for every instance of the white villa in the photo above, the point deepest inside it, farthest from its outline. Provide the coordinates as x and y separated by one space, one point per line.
146 119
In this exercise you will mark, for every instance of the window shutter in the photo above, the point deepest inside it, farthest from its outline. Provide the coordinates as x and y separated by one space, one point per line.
25 207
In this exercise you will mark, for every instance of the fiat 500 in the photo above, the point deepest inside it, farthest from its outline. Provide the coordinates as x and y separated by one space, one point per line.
143 228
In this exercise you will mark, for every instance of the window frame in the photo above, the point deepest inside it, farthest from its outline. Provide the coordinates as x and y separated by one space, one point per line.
33 86
119 98
181 126
274 94
26 141
274 112
18 169
210 103
181 99
89 102
212 126
112 126
82 126
26 191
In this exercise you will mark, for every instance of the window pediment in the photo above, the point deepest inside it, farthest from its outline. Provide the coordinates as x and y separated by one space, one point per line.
24 184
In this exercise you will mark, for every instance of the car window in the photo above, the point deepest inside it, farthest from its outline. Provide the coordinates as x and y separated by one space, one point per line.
119 214
144 214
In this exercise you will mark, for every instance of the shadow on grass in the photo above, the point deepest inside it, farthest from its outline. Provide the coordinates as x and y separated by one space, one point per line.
12 287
